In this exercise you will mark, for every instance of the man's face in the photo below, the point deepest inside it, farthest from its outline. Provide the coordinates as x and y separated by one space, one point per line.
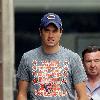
92 63
50 36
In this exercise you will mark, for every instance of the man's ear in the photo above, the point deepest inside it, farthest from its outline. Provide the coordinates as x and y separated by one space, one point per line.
83 61
61 31
40 31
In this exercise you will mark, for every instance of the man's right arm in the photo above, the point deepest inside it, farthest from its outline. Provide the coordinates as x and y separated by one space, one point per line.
22 90
81 91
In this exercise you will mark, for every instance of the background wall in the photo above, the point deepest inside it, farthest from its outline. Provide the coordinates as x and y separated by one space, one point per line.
65 5
77 42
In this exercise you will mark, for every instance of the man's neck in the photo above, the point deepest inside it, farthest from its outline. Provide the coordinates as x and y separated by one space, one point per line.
93 80
50 50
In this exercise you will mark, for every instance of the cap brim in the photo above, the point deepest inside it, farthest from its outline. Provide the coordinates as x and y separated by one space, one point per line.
56 24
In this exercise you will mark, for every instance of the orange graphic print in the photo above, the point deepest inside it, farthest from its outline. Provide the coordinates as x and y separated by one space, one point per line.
50 78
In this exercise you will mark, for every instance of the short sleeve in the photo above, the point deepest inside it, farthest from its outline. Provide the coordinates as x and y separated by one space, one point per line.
23 71
78 71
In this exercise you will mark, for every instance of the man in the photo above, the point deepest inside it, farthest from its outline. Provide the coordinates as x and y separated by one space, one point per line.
91 61
51 72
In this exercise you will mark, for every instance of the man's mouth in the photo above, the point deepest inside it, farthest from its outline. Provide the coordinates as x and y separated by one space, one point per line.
50 40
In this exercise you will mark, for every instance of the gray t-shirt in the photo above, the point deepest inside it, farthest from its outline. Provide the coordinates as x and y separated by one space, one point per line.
51 76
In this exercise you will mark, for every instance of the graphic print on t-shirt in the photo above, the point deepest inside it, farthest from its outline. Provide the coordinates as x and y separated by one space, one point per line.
49 78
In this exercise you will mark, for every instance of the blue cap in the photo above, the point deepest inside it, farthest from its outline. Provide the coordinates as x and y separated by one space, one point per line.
51 18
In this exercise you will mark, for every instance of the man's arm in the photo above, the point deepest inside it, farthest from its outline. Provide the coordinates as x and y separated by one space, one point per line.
81 91
22 90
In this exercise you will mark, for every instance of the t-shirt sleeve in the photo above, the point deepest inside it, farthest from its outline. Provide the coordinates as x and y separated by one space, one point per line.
78 71
23 71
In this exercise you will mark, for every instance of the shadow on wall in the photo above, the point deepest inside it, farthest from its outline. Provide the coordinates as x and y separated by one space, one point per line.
23 43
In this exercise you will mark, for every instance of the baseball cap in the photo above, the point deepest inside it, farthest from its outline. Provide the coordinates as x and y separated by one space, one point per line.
51 18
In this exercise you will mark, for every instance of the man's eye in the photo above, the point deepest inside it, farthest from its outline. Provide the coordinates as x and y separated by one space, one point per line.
54 31
88 61
97 60
46 30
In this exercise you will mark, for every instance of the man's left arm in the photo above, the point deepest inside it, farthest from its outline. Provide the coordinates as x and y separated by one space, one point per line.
81 91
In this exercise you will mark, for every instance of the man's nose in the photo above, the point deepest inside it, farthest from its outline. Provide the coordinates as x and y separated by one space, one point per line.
51 33
93 64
